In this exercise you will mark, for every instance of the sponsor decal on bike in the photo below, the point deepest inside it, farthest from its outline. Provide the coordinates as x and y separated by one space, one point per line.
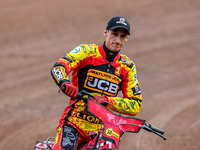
110 132
84 125
87 117
89 128
100 81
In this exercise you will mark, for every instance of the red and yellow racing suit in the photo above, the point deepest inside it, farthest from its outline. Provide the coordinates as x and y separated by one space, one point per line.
93 73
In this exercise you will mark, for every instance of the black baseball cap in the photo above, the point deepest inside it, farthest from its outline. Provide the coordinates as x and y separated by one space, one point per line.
118 22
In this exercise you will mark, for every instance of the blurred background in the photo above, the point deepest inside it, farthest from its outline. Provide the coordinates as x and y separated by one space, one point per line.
164 44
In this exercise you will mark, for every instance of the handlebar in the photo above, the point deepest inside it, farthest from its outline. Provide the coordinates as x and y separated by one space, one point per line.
83 92
155 130
147 127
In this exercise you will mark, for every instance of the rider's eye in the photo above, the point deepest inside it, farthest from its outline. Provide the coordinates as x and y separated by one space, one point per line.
115 34
123 36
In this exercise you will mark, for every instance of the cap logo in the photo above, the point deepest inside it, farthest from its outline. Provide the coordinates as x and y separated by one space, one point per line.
122 21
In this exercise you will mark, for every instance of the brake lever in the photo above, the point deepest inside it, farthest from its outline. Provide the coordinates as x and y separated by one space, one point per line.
150 129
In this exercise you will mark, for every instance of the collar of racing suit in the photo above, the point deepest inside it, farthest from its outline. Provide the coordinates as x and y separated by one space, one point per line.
110 56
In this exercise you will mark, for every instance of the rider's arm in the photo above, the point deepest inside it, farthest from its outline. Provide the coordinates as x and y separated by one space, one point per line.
65 65
131 102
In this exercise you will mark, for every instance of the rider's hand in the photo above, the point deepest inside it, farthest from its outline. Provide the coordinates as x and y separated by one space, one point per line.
69 89
101 99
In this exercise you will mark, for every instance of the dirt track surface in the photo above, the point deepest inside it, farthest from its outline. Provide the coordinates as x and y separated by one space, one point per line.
164 44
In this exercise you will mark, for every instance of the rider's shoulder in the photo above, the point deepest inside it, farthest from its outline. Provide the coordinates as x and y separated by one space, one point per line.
84 49
88 48
127 61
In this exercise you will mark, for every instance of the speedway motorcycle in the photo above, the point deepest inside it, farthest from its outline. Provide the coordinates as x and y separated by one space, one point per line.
114 126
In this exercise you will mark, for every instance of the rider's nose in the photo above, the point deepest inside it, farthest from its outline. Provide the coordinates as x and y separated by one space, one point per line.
118 40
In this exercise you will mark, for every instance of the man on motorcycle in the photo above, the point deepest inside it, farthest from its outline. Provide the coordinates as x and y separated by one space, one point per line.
102 71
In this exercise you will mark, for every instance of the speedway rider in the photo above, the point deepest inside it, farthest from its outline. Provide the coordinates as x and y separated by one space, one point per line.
102 71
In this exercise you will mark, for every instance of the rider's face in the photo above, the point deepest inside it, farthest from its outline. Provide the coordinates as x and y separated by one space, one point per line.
115 39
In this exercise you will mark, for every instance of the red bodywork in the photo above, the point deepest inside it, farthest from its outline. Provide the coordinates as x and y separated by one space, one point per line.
43 146
114 126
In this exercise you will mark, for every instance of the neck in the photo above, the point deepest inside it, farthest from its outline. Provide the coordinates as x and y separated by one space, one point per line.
109 54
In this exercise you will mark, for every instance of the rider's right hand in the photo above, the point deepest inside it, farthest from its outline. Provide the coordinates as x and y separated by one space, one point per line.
69 89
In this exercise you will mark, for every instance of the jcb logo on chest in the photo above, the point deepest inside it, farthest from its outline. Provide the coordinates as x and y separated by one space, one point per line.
99 81
100 85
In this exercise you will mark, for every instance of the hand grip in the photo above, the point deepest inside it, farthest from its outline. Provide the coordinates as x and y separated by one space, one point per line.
80 96
156 129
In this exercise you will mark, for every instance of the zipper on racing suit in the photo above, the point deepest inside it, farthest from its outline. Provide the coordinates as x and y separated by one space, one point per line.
108 71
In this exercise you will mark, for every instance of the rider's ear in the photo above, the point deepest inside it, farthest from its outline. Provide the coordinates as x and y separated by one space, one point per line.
105 33
127 38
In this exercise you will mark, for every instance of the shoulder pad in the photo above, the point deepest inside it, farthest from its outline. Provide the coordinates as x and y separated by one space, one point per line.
91 48
83 48
127 61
